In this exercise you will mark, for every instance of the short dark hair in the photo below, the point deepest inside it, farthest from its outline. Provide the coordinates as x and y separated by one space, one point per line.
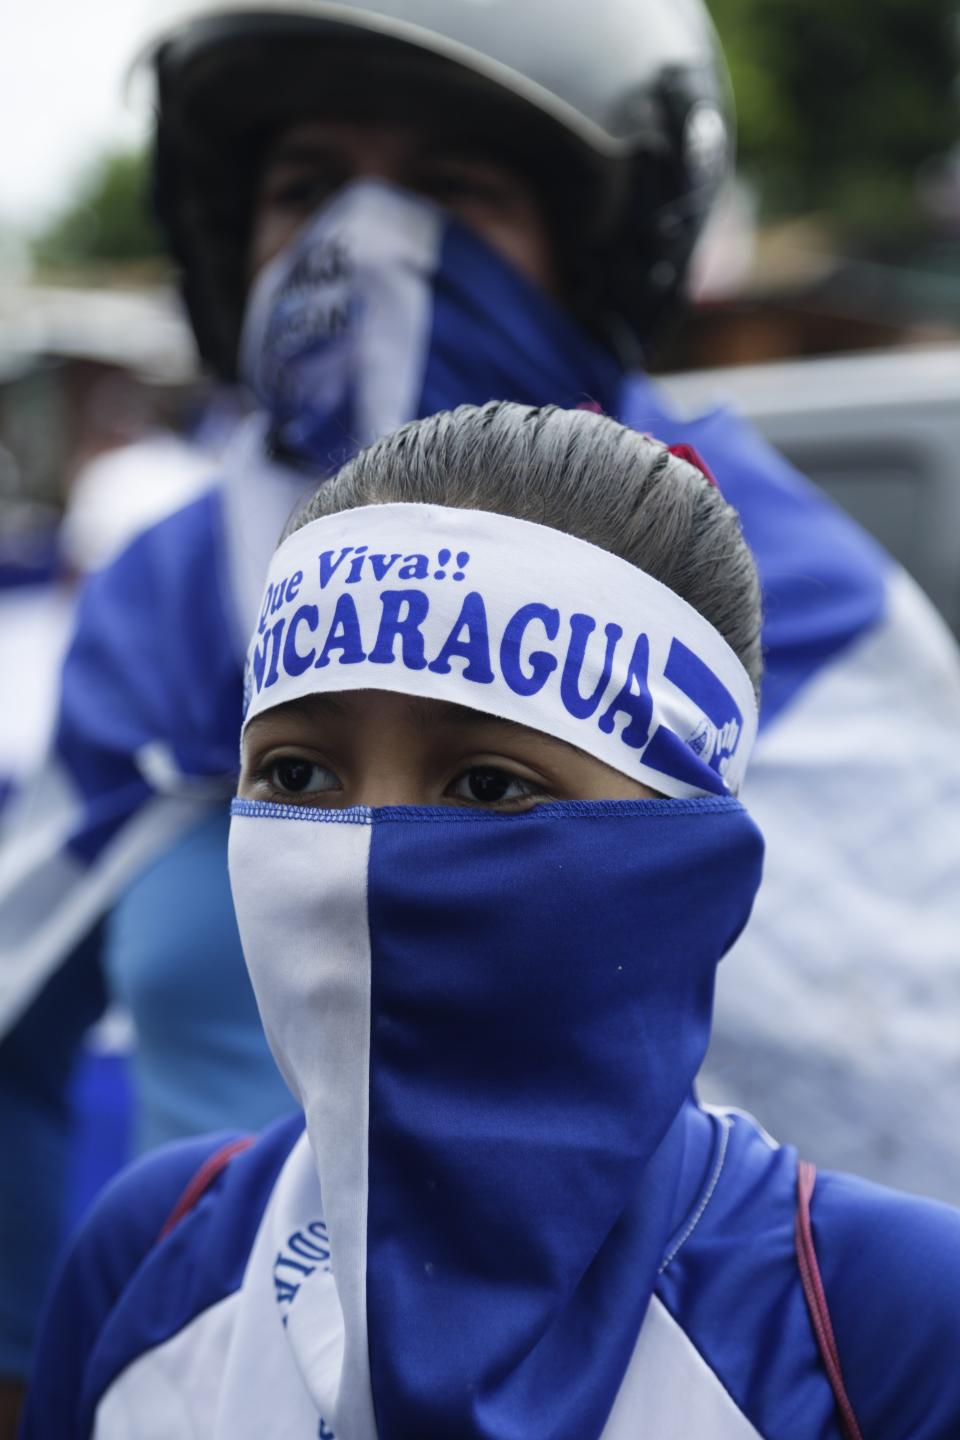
578 472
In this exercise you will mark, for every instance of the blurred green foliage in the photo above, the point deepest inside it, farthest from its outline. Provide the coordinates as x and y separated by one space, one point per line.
106 221
840 102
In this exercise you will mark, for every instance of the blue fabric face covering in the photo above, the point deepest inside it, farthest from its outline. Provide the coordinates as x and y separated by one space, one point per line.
385 308
492 1022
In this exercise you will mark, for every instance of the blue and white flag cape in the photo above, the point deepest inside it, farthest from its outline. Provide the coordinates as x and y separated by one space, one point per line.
856 776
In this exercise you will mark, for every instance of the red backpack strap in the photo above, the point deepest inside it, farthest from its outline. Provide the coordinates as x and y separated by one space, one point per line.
200 1183
817 1299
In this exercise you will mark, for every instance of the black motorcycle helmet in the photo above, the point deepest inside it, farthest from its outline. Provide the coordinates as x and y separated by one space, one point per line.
618 112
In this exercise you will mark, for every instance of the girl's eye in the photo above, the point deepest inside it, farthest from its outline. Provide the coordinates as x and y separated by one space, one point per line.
301 777
489 785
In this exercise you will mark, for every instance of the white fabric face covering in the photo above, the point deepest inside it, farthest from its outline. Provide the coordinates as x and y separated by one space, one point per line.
512 619
338 322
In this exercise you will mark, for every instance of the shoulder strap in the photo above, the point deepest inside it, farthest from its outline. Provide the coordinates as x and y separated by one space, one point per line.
817 1299
200 1183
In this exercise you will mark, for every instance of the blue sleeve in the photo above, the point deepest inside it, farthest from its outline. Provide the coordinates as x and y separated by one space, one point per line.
36 1059
891 1271
152 662
121 1231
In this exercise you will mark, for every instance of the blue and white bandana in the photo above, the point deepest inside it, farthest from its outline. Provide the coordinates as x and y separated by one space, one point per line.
383 308
492 1023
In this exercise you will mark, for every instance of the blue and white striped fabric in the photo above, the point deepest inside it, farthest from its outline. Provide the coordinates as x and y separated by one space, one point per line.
830 1019
150 702
855 779
725 1349
491 1058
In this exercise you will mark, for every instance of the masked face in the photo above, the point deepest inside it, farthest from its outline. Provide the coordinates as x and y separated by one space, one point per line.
308 163
484 955
384 307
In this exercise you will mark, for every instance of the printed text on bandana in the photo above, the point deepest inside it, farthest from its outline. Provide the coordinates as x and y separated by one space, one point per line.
598 667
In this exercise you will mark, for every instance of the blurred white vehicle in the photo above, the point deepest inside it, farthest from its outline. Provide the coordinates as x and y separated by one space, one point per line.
879 432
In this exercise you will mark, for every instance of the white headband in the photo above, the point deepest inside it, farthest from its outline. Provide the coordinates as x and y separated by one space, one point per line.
513 619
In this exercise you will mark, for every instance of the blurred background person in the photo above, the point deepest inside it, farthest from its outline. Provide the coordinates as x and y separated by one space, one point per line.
402 263
103 431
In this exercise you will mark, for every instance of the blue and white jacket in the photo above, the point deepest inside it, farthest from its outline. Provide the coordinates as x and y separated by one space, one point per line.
143 1334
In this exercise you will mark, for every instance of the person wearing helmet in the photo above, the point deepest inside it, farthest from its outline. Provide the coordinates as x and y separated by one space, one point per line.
380 213
484 867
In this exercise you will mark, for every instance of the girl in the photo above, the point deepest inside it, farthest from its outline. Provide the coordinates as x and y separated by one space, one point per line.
486 855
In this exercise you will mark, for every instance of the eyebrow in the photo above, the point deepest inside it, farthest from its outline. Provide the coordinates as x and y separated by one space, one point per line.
307 708
308 150
427 712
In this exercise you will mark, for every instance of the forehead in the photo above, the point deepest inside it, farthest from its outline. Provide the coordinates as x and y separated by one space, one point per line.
312 138
354 707
315 133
